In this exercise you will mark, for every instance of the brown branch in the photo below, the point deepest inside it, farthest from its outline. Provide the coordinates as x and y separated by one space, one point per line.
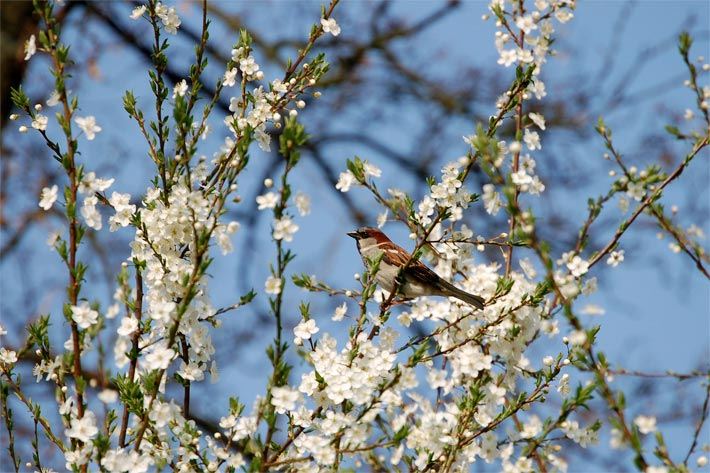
135 350
699 145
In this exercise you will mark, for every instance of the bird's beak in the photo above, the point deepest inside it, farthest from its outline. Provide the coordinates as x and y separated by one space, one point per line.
352 235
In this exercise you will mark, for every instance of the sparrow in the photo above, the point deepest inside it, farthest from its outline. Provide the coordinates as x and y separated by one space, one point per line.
417 279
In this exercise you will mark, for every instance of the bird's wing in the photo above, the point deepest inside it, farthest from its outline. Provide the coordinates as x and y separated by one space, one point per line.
397 256
423 273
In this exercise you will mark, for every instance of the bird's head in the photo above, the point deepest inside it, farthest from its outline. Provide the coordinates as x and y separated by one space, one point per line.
365 233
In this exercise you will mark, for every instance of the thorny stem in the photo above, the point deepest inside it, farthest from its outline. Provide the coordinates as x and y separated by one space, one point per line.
74 225
516 158
699 425
43 422
282 260
654 209
185 355
135 339
7 415
160 93
699 145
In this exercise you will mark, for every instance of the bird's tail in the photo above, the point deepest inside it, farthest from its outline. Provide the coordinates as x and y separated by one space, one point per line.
471 299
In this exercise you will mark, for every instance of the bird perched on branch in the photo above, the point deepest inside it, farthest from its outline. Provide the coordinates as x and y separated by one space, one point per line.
415 279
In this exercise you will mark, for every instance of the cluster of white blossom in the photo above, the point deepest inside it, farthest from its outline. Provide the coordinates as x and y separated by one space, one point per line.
347 178
523 38
169 17
448 194
165 248
483 348
263 107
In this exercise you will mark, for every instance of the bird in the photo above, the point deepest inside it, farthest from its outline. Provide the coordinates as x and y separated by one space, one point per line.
417 279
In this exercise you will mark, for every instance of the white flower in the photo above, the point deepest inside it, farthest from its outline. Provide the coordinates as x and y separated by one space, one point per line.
340 312
345 181
304 330
159 358
191 371
617 439
137 12
635 190
623 204
272 285
592 309
371 170
67 407
30 48
537 119
507 57
615 258
491 199
124 210
128 326
92 217
284 229
108 396
222 233
563 15
40 122
267 201
162 311
230 77
577 266
382 218
91 183
112 311
578 337
563 387
236 461
646 424
279 87
538 88
303 204
248 66
162 413
53 99
180 89
83 429
526 23
284 399
528 268
227 422
48 197
214 372
330 26
531 428
169 17
7 357
84 315
88 126
263 139
655 469
532 140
